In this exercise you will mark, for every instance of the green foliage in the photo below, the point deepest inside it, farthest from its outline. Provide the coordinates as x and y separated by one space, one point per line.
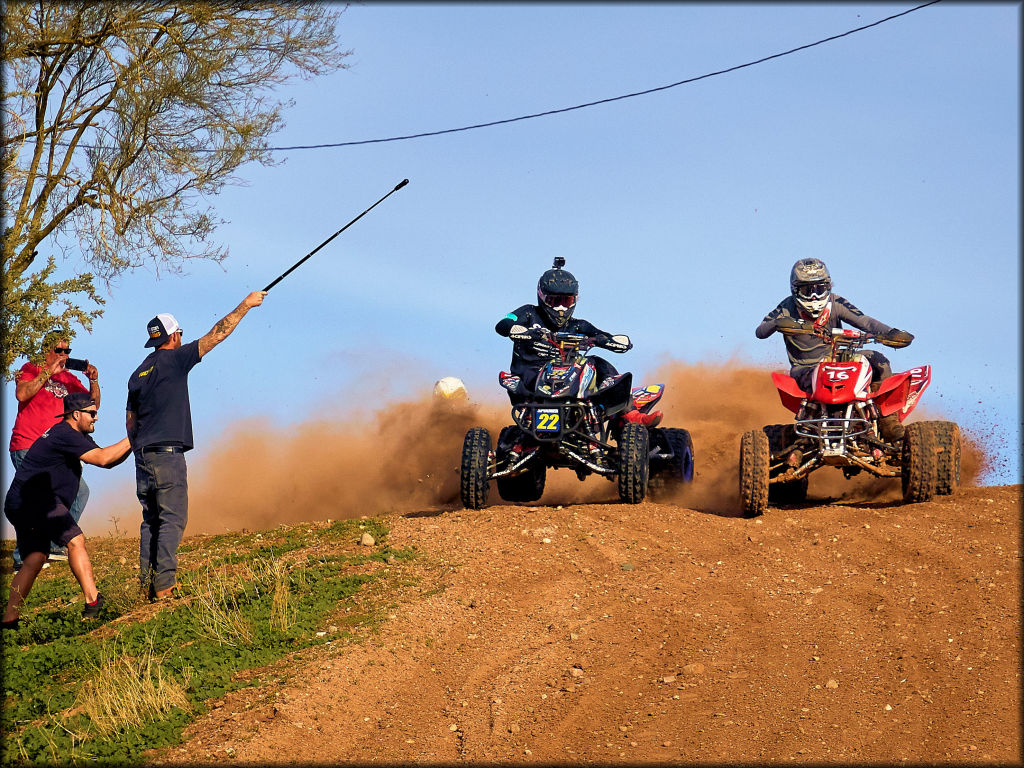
54 655
32 307
121 120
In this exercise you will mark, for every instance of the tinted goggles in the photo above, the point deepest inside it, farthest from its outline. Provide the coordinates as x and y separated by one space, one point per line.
559 300
813 290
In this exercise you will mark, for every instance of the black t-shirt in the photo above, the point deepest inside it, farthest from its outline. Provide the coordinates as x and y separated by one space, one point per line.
51 470
158 396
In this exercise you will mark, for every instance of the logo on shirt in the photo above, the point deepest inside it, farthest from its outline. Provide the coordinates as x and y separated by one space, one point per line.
146 372
56 389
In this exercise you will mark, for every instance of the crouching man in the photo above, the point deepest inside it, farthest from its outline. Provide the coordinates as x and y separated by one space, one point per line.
41 494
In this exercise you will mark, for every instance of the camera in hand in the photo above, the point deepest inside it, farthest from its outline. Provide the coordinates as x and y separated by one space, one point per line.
74 364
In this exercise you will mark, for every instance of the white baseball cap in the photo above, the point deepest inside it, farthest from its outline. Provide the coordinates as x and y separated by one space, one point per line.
160 329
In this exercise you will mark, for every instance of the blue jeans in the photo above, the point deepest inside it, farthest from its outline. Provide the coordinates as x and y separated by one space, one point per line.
77 506
161 482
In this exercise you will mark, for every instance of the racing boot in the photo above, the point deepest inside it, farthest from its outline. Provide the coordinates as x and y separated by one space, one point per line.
637 416
890 429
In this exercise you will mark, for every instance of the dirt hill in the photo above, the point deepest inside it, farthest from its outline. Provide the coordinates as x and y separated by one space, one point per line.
838 631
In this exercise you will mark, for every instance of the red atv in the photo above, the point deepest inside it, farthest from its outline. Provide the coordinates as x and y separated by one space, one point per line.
838 425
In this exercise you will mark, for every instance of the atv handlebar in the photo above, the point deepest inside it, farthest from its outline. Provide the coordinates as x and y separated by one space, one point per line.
844 337
580 341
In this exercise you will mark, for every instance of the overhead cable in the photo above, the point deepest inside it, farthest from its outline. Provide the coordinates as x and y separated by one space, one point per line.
600 101
589 103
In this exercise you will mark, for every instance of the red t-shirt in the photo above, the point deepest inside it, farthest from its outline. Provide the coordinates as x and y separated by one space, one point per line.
41 412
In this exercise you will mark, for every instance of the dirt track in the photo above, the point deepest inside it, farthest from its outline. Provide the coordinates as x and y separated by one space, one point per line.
861 631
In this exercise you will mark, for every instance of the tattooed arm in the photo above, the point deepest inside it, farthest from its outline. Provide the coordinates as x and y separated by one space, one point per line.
227 324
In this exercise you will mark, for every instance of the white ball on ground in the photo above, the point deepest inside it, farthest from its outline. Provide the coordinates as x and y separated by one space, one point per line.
450 388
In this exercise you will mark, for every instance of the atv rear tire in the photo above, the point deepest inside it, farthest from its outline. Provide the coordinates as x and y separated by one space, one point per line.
527 486
919 463
947 466
670 475
474 483
781 436
634 463
754 462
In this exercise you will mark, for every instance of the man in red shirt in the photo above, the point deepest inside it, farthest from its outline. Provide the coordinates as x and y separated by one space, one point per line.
40 392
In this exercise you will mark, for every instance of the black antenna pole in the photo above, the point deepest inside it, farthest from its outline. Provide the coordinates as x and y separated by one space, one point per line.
294 266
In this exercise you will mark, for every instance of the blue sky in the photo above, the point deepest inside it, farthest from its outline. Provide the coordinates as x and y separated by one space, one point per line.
893 154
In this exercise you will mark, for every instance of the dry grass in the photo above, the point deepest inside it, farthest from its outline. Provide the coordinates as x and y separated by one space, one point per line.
127 692
215 608
214 602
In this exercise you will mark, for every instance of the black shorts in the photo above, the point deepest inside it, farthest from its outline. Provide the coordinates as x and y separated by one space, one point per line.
35 531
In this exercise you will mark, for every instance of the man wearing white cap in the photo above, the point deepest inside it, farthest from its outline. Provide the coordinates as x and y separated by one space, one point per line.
159 422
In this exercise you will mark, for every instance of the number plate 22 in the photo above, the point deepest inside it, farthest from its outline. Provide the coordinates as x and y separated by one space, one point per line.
548 420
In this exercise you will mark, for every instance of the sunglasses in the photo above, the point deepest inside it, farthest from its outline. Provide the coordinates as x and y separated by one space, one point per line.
62 350
91 413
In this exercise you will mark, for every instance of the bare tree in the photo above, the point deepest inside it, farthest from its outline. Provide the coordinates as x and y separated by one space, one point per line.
120 120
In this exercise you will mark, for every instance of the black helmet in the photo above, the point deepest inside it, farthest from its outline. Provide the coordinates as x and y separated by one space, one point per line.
811 285
556 294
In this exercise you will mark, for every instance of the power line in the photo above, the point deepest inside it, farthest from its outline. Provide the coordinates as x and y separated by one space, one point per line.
601 101
589 103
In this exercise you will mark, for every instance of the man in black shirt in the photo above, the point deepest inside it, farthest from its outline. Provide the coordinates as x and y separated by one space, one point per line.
159 422
41 494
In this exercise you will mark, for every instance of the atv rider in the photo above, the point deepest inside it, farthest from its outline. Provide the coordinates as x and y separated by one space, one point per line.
530 328
812 303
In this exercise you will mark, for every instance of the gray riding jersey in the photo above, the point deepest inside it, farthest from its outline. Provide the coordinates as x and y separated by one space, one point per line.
805 349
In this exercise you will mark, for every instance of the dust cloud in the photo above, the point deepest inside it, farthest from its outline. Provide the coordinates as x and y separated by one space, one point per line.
405 457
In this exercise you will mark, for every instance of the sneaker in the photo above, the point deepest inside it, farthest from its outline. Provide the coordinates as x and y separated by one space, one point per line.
171 593
11 625
60 553
92 611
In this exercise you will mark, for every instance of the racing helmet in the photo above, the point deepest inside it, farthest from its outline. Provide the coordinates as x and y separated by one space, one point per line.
811 285
556 294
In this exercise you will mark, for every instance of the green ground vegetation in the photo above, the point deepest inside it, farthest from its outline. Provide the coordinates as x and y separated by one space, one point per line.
104 691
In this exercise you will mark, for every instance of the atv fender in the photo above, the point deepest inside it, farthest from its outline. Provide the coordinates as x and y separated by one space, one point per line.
649 395
789 391
615 397
901 391
892 394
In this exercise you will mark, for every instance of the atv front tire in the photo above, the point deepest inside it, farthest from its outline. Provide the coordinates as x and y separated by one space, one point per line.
947 466
474 483
919 463
634 463
755 457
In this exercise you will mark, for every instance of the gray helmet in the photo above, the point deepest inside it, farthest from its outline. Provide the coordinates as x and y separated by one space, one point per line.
811 285
557 290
